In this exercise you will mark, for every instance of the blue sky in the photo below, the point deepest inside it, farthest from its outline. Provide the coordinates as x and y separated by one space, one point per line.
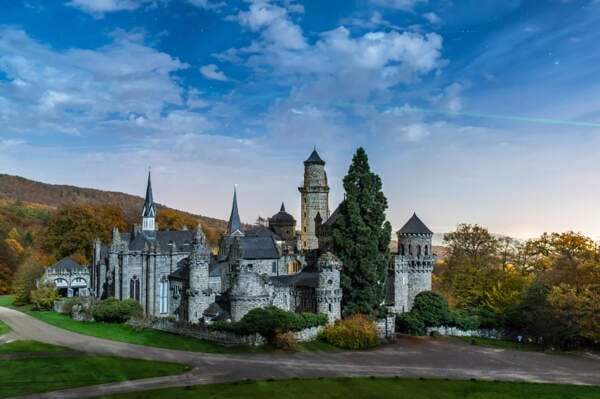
471 111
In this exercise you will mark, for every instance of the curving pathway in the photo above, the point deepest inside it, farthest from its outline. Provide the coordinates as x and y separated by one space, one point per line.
410 358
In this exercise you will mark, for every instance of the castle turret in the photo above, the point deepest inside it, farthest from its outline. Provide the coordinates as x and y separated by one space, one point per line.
149 209
314 198
414 263
200 296
328 293
283 224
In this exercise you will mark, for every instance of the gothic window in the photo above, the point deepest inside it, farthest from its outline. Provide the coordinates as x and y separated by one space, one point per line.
274 268
418 250
330 307
402 246
163 295
410 249
134 288
426 250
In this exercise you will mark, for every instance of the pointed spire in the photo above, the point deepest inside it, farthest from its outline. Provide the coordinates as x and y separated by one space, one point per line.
234 226
149 209
282 207
314 158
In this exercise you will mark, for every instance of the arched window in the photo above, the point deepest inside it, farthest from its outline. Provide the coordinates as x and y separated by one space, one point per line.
426 250
274 268
293 266
402 249
163 295
134 288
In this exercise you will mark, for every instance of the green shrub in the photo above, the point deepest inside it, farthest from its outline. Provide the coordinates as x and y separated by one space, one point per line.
286 341
270 321
43 298
464 320
432 309
355 332
409 323
112 310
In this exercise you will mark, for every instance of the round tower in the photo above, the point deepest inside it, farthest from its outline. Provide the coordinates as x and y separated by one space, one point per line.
328 293
314 199
283 224
415 258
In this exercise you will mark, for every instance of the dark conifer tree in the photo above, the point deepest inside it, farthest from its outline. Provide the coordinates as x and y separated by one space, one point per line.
361 238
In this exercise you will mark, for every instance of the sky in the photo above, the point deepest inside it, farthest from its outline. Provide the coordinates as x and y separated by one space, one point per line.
471 111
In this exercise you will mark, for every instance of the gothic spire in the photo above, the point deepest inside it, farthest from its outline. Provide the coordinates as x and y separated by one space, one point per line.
234 226
314 158
149 209
282 207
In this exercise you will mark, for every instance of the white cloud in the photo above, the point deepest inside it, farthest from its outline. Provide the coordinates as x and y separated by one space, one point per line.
99 7
211 71
207 4
274 23
415 132
79 91
432 17
407 5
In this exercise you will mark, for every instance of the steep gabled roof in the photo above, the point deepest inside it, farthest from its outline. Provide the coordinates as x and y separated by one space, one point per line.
149 209
235 225
331 220
314 158
414 226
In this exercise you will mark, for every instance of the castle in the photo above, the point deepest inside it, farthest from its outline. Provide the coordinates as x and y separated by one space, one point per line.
175 273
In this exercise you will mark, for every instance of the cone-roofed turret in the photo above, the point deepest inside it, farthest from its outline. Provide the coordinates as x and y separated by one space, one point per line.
234 226
314 158
149 209
415 226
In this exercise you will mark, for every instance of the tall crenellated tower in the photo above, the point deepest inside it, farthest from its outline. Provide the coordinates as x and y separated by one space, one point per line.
315 199
200 296
149 209
413 264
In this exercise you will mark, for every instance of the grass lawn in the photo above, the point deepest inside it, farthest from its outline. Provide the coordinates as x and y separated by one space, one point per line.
27 376
150 337
372 389
4 328
6 300
29 346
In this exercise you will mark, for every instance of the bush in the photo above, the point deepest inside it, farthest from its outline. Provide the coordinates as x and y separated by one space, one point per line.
355 332
112 310
270 321
43 298
25 280
463 320
409 323
286 341
432 309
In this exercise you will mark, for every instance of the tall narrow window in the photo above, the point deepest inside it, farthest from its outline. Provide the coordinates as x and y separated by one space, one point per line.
274 268
163 295
134 288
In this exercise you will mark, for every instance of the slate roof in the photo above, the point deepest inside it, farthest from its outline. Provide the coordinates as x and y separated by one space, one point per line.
415 226
282 216
262 231
254 247
333 217
234 223
66 264
181 238
302 279
314 158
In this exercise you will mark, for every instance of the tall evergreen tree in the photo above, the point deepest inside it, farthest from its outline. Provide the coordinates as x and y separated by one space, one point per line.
361 238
